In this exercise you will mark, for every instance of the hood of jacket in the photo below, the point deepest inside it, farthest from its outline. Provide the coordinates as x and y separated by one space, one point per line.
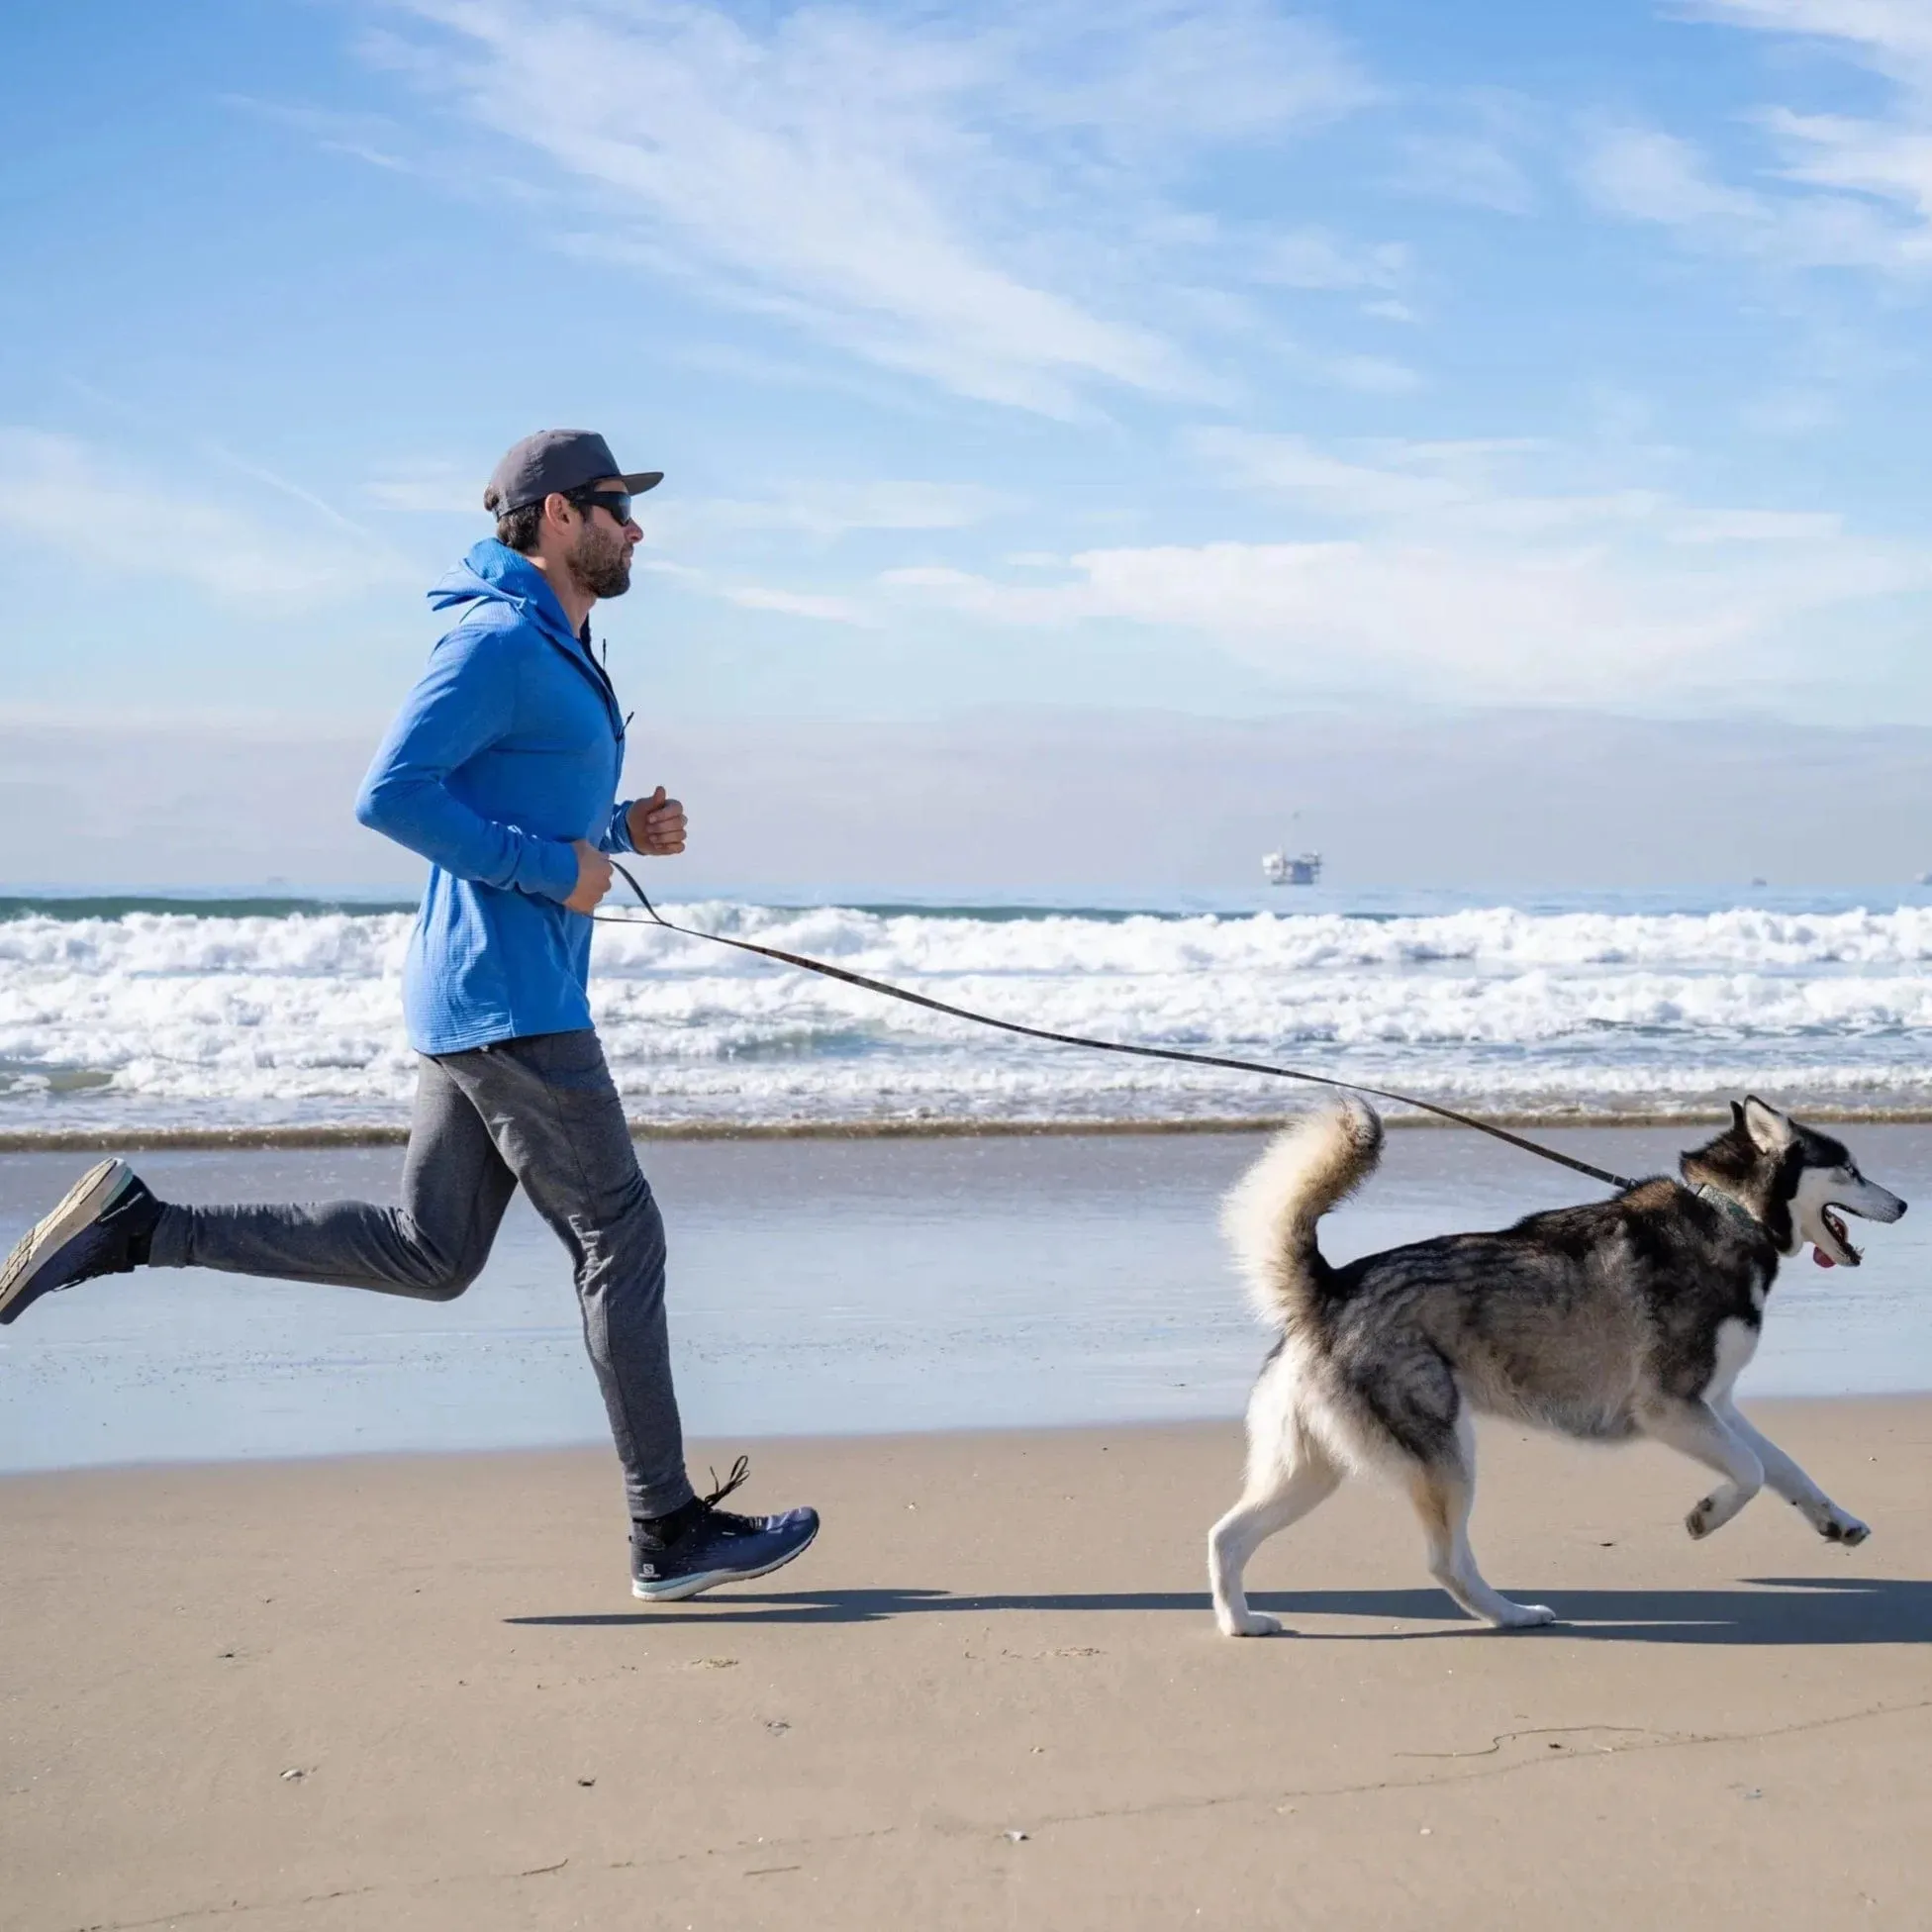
494 572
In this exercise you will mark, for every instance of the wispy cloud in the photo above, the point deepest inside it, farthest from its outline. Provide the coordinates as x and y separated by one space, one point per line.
1890 161
1316 258
1475 169
948 197
371 137
826 511
1431 565
1789 411
820 606
295 492
93 506
794 603
1645 174
1652 176
1893 35
1834 190
430 488
1475 155
1373 375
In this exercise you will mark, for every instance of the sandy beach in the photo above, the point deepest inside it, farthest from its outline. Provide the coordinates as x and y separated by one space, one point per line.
413 1693
261 1682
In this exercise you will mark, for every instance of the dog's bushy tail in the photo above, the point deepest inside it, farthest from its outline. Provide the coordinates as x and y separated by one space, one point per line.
1270 1213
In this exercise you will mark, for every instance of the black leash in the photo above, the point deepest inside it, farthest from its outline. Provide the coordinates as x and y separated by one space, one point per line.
1101 1046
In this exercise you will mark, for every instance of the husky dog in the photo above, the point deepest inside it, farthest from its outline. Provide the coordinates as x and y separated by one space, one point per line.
1629 1317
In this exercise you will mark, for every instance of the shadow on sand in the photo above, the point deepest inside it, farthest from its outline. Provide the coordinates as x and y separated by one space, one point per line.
1767 1611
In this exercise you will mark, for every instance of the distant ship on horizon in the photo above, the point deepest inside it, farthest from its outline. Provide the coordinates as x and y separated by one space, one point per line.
1286 868
1292 868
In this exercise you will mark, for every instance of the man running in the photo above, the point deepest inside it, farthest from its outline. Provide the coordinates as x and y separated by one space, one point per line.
502 771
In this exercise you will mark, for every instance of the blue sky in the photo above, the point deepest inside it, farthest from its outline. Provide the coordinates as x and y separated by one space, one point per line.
1219 357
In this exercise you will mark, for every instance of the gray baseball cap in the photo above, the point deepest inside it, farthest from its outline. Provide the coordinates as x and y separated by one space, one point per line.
558 459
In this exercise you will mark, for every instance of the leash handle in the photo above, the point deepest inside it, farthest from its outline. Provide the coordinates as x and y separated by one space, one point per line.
831 972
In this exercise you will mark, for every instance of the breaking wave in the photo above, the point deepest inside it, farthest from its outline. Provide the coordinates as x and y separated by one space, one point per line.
271 1017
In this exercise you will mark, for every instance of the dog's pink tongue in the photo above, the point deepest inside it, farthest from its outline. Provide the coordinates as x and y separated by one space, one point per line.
1822 1259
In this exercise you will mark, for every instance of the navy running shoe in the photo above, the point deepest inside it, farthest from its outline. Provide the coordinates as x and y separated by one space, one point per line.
701 1546
103 1227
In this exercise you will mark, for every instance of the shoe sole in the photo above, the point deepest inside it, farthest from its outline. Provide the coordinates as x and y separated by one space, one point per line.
683 1586
78 1210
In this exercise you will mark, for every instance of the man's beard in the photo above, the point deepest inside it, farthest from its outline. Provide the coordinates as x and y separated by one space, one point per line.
601 571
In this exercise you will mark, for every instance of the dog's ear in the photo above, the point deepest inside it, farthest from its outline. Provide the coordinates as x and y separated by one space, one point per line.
1770 1131
1737 1118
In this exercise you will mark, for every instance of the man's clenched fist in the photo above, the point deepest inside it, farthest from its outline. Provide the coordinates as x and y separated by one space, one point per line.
657 826
593 877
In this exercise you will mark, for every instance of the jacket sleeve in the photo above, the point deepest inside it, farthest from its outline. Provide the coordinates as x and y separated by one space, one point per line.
462 704
618 837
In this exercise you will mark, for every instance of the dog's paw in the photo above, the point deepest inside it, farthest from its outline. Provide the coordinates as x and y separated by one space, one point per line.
1251 1623
1704 1519
1837 1526
1524 1617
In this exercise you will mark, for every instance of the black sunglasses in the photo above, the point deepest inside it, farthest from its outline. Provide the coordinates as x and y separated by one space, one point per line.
616 501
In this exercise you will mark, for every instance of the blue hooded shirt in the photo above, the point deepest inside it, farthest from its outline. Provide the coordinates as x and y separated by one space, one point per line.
509 748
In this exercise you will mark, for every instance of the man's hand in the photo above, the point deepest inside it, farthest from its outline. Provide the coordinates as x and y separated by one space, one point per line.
656 826
593 877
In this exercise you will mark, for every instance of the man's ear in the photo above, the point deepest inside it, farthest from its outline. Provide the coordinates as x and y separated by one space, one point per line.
1770 1131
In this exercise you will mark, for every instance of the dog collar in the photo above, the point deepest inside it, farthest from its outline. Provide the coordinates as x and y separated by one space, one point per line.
1737 1210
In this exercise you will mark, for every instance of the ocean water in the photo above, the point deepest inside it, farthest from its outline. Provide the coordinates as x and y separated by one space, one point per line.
247 1014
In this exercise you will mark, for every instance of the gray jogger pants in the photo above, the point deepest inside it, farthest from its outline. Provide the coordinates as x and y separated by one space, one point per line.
540 1112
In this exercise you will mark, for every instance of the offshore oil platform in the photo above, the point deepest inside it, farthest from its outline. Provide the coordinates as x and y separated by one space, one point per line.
1292 868
1286 868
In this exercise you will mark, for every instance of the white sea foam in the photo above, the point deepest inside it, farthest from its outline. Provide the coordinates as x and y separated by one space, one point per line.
161 1017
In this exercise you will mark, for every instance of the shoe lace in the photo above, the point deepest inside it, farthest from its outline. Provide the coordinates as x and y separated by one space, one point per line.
734 1480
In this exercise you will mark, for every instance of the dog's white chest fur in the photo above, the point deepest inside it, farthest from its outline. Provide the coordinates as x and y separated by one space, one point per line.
1737 1342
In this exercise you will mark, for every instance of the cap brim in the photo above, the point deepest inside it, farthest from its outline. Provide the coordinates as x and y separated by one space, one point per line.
643 480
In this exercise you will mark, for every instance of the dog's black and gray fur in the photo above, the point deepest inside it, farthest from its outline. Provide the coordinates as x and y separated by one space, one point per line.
1628 1317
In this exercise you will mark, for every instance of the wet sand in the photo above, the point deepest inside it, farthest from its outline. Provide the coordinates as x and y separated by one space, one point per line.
827 1288
413 1693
